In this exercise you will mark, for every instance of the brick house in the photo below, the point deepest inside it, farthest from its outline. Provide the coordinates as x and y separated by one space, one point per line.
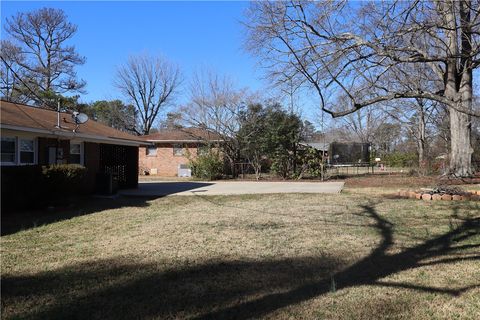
170 148
39 136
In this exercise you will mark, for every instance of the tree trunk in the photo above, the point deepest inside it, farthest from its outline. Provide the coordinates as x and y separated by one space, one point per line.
421 136
421 153
461 148
458 88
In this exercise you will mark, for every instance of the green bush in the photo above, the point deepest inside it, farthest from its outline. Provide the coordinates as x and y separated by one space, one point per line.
401 159
309 162
29 187
63 180
208 166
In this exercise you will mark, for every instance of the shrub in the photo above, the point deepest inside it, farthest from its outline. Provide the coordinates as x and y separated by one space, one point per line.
63 180
22 187
401 159
309 162
28 187
208 166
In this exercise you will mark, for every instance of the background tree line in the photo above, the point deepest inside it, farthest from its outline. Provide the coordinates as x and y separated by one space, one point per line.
398 75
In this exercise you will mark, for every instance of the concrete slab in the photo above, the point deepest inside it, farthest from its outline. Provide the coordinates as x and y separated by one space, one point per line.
165 188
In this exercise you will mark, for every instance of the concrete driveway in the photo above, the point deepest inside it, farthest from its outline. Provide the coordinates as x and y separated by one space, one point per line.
164 188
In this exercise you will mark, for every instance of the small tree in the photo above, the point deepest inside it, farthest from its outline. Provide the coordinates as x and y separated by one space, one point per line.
215 105
310 162
251 136
283 133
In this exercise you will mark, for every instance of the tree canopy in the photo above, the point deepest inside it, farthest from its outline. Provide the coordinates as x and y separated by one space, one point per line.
365 52
38 59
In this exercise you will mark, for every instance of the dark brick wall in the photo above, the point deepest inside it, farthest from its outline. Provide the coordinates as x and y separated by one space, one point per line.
92 163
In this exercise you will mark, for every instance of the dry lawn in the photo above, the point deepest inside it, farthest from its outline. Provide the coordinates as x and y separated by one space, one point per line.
357 255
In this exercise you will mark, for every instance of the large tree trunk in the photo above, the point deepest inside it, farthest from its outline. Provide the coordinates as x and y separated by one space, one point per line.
461 149
459 88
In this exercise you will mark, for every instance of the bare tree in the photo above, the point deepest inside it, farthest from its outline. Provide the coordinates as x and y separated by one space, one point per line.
215 105
151 84
417 116
47 62
10 71
363 124
351 49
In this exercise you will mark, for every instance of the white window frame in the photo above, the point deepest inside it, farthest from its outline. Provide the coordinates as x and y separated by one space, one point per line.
178 146
148 154
34 144
9 163
81 151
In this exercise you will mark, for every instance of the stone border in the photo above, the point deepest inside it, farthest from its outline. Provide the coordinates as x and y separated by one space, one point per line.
470 195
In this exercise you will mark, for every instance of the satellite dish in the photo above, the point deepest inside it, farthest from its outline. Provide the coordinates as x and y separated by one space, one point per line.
79 118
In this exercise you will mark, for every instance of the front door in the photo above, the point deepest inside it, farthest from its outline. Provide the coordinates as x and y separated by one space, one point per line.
55 155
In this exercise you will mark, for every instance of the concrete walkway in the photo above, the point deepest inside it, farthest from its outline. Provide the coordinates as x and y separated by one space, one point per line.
164 188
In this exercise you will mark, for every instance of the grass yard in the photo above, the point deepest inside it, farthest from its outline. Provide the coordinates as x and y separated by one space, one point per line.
357 255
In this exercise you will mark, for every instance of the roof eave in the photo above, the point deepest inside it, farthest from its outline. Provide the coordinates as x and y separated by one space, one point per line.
71 134
181 141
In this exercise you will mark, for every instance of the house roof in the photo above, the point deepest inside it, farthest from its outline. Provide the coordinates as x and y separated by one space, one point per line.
183 135
22 117
317 145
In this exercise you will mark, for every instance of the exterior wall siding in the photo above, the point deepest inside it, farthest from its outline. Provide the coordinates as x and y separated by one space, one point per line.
165 162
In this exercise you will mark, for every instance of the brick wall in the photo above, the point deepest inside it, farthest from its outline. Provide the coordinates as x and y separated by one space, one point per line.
164 161
92 163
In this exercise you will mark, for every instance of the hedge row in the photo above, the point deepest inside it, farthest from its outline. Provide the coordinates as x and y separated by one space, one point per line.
28 187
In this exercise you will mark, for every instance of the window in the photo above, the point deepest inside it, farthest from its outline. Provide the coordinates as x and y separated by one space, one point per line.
76 152
177 150
151 151
8 150
27 151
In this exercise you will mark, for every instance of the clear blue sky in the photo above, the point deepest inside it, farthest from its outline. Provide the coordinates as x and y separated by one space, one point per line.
192 34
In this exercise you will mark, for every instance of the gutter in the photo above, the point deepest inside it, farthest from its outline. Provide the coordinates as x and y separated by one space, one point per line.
181 141
72 135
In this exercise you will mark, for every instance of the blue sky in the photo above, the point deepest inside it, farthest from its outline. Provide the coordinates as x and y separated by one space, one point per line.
192 34
189 33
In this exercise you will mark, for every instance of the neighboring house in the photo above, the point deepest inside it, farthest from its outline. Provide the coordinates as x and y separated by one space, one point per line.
168 149
349 153
31 136
319 146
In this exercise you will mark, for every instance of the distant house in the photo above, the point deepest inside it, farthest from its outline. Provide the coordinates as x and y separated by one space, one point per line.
38 136
319 146
170 149
349 153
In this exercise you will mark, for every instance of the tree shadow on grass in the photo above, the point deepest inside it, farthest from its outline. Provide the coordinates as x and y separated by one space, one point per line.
370 270
116 289
12 222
